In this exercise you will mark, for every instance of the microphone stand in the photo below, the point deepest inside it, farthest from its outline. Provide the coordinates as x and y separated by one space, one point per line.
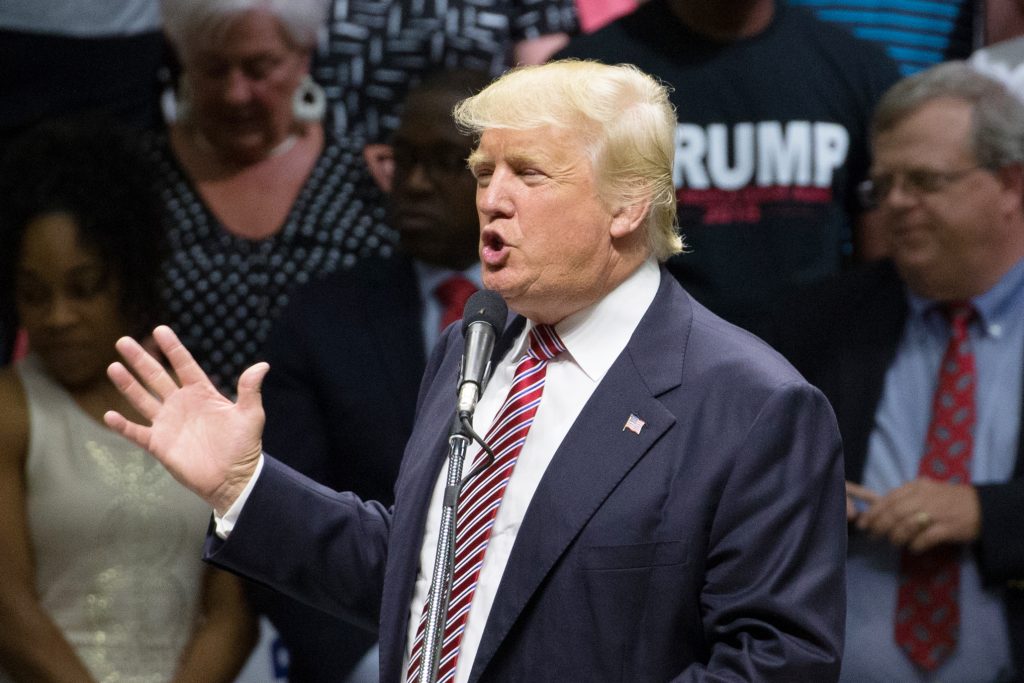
440 582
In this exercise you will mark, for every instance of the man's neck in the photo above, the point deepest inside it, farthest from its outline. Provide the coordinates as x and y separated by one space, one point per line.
724 20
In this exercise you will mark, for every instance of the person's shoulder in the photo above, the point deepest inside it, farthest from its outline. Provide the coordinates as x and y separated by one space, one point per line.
841 50
607 44
347 294
846 292
14 418
369 275
809 322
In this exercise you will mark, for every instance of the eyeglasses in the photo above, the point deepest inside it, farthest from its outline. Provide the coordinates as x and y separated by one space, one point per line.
916 182
441 163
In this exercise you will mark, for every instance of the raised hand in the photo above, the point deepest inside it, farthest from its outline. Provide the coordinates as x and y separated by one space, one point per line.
207 442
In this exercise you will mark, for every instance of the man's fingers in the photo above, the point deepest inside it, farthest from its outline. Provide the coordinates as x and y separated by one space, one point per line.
141 400
851 509
861 492
128 429
185 366
146 367
908 528
933 535
249 386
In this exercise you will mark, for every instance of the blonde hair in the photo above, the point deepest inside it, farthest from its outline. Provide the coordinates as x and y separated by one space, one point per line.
623 116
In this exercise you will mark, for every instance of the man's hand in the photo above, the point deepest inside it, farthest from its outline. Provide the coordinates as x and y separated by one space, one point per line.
857 497
208 443
924 513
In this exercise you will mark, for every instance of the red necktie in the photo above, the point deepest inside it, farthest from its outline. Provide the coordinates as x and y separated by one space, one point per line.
928 605
481 497
453 294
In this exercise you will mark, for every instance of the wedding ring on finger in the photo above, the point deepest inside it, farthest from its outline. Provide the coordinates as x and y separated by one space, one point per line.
923 519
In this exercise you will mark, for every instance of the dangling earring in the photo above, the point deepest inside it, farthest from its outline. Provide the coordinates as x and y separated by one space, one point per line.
309 101
182 101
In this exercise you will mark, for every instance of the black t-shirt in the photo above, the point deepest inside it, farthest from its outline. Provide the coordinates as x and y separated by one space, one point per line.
771 143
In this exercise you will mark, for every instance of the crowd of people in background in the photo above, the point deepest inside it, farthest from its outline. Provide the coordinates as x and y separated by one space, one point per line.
282 180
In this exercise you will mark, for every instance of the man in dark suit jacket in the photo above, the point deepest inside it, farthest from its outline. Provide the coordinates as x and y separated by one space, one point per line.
872 342
349 351
676 509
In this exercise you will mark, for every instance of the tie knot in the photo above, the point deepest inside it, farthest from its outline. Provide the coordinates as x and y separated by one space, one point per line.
453 294
544 343
455 289
959 314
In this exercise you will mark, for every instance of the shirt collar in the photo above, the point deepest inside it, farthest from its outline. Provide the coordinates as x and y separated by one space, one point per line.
1005 298
597 334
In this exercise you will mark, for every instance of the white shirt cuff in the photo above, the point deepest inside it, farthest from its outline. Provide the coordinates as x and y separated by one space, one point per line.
224 525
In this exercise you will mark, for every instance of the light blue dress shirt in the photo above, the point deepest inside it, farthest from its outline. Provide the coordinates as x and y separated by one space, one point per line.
894 451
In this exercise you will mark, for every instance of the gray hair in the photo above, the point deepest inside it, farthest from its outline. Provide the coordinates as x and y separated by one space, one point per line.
997 121
189 23
624 116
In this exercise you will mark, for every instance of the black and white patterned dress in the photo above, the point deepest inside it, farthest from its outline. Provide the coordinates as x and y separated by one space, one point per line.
376 50
222 291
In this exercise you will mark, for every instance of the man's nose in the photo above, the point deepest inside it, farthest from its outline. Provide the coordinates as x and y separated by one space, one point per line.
416 177
494 198
61 312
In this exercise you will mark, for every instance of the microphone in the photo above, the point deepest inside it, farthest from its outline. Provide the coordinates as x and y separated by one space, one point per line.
483 321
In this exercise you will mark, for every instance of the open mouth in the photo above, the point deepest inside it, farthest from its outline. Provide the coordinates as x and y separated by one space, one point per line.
492 240
492 248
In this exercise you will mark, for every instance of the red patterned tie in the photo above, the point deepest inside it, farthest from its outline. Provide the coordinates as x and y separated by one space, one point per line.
453 294
481 497
928 605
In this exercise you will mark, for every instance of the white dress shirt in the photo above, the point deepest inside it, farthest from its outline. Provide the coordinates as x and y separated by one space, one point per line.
594 338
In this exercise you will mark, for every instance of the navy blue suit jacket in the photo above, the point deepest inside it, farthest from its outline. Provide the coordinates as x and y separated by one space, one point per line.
711 545
346 358
843 335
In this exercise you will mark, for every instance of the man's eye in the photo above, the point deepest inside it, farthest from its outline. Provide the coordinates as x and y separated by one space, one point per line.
31 295
923 180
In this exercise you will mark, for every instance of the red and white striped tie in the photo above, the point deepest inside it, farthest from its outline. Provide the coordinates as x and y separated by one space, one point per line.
481 497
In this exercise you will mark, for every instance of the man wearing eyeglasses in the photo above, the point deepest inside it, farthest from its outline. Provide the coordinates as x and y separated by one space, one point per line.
921 358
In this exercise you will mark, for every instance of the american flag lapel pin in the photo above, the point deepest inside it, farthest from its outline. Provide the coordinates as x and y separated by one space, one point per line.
633 424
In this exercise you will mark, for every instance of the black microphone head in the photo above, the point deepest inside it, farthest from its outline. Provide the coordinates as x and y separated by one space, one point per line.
487 307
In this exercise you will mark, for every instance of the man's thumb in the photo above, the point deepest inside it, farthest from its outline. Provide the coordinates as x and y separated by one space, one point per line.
249 386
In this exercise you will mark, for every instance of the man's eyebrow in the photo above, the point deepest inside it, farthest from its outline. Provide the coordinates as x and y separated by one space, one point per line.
476 157
514 159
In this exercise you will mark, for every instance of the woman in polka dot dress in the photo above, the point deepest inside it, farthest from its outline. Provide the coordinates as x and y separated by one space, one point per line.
258 197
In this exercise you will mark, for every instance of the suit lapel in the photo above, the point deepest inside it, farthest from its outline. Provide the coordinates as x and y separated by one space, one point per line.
594 457
395 305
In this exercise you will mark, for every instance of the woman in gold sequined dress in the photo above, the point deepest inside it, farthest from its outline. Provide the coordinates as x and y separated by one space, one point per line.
100 577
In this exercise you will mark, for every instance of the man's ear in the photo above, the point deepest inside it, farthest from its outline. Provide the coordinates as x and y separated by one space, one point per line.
380 159
628 219
1011 177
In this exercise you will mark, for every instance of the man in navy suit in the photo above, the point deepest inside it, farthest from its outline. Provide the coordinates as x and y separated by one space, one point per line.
676 508
948 178
349 351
